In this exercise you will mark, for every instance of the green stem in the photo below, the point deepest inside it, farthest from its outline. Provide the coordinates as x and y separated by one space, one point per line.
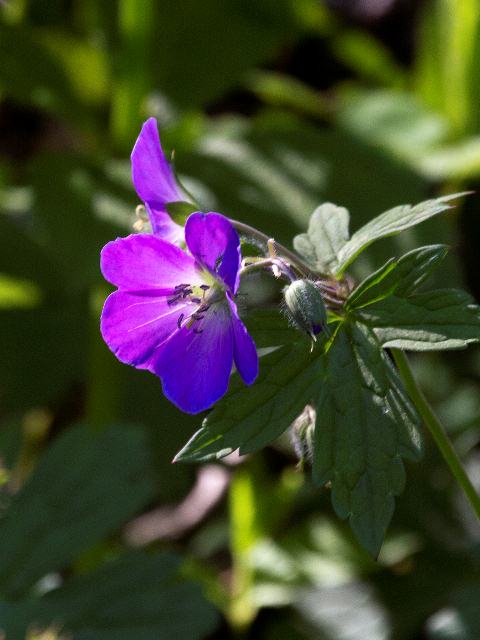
437 430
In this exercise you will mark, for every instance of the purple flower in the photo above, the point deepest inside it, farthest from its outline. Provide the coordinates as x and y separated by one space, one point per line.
155 182
174 313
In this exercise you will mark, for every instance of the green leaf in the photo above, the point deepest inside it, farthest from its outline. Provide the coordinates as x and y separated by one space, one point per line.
436 320
390 223
365 425
398 276
251 417
326 236
139 596
85 487
269 328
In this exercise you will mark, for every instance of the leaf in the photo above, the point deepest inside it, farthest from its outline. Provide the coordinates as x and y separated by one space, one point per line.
251 417
365 425
390 223
327 234
437 320
398 276
85 486
269 328
139 596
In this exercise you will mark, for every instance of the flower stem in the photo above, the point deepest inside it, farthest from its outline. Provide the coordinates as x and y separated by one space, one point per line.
437 430
294 260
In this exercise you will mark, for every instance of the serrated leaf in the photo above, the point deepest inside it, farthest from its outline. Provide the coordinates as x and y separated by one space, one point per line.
139 596
251 417
326 236
437 320
365 425
390 223
397 276
85 486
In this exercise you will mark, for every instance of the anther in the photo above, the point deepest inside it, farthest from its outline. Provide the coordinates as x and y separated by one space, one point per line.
205 287
174 300
196 300
179 321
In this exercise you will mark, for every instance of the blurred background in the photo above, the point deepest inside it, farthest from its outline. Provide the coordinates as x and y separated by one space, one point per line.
272 107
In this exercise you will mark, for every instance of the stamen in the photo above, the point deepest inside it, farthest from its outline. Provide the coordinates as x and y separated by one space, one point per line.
205 287
218 262
196 300
187 292
179 321
174 300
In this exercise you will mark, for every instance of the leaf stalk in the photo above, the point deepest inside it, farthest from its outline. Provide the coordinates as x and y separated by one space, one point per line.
437 430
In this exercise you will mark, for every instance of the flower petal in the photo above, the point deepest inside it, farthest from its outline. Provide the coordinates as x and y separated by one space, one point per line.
142 261
195 367
163 226
135 325
212 239
244 349
152 175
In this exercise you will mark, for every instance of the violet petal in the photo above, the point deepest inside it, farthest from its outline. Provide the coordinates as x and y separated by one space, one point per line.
212 239
152 175
143 261
244 349
135 325
195 367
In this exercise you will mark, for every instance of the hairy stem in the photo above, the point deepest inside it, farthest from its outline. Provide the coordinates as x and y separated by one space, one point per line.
437 430
293 259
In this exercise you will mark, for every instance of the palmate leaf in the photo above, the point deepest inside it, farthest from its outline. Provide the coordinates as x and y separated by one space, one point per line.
397 276
365 425
250 418
390 223
365 422
437 320
327 234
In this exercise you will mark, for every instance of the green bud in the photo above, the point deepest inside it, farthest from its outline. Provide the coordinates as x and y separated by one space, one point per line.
302 429
305 307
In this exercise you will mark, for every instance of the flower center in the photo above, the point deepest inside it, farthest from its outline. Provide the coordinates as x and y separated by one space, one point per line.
203 296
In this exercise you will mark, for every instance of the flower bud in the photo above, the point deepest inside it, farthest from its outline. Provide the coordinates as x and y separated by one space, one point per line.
305 307
301 431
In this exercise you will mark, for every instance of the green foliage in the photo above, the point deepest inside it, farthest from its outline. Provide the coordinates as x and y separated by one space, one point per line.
397 276
390 223
365 424
442 319
327 234
248 419
272 108
64 510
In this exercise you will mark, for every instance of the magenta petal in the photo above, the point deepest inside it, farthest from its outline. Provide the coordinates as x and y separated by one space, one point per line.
143 261
163 226
244 349
151 173
195 367
212 239
135 325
